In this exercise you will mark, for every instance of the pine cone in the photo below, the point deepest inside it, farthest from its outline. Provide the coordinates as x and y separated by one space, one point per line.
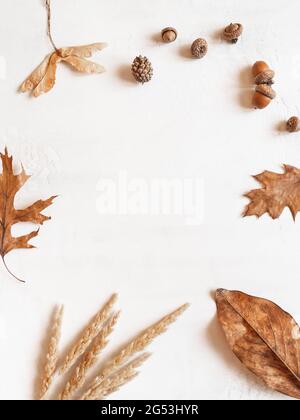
142 69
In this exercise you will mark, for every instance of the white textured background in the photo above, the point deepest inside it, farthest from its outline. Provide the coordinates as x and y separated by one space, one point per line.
191 121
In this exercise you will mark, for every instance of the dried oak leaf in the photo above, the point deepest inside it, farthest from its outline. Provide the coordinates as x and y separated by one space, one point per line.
279 191
42 79
265 339
10 184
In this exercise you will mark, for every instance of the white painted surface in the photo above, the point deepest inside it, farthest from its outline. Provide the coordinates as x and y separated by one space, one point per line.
191 121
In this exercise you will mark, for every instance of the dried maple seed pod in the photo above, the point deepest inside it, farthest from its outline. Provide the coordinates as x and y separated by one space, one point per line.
199 48
293 124
265 77
232 32
142 69
169 34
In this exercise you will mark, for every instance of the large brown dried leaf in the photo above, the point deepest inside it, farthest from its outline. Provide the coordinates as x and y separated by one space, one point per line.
265 338
43 78
10 184
279 191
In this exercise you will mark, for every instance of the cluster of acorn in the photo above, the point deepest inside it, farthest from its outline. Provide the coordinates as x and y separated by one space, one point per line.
142 69
263 78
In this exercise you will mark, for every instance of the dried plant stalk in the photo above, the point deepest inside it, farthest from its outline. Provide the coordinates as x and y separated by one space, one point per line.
118 379
135 346
52 353
91 331
89 359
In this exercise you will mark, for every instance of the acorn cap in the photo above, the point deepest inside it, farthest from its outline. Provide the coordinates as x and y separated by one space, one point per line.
233 31
169 34
265 77
266 90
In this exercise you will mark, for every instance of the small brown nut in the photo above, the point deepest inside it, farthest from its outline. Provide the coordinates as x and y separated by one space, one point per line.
232 32
169 34
259 67
265 77
260 101
266 90
293 124
199 48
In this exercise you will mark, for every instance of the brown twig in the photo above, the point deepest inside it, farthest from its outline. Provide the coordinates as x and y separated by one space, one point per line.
48 7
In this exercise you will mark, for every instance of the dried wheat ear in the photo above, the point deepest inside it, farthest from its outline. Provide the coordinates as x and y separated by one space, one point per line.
75 367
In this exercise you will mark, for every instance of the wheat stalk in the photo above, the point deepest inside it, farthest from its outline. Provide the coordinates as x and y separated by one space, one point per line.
52 352
118 379
90 332
89 359
135 346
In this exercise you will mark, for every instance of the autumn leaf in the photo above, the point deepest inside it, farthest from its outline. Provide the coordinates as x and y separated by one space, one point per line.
42 80
279 191
10 184
265 338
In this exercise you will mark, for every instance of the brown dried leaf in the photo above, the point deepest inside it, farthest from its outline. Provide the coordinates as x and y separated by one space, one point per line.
279 191
265 338
10 184
82 65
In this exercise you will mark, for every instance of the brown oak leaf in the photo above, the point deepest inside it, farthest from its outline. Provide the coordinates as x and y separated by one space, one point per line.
10 184
264 337
279 191
42 79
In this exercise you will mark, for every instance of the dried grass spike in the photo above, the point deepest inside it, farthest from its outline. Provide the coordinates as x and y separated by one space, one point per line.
90 332
135 346
89 359
118 379
52 353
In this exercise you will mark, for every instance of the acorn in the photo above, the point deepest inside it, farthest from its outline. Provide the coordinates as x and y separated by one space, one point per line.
293 124
263 96
232 32
169 34
199 48
262 73
258 67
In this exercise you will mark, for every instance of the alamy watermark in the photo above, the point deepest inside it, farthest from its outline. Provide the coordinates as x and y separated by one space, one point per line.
125 196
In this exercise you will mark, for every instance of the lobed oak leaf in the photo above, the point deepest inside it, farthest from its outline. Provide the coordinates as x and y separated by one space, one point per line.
42 80
264 337
10 184
279 191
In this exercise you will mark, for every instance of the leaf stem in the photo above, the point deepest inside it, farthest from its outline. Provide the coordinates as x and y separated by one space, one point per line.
9 271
